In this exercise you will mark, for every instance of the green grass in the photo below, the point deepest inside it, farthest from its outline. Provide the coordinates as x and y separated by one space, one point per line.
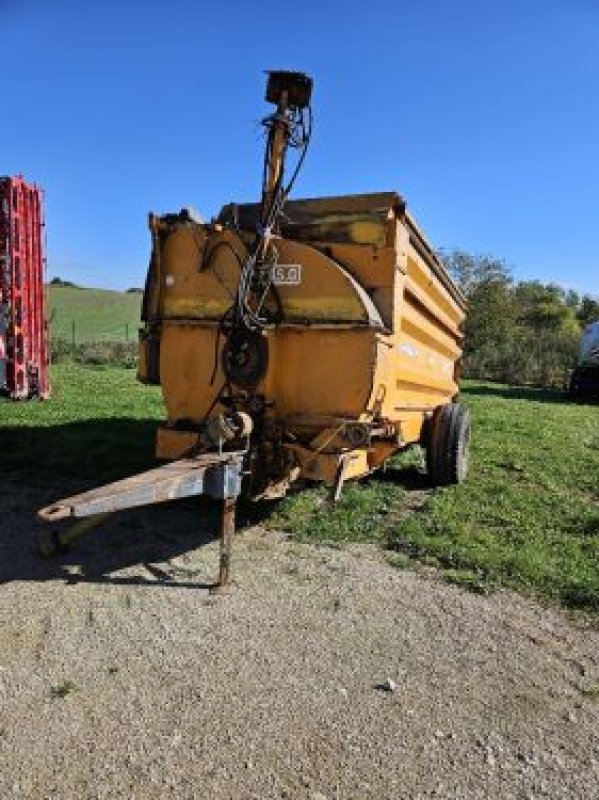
592 692
98 314
62 690
100 424
527 518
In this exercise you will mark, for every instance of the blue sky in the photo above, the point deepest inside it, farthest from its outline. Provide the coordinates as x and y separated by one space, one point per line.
484 115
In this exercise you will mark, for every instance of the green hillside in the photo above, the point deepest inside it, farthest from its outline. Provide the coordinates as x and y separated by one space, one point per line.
97 314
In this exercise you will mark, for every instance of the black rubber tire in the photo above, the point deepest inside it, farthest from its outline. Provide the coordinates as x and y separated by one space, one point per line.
574 385
448 445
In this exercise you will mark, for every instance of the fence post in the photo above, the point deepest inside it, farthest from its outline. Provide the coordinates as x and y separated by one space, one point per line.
126 331
72 337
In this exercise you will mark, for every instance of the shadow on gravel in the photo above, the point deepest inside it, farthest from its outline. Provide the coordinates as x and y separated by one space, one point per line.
526 393
145 538
40 465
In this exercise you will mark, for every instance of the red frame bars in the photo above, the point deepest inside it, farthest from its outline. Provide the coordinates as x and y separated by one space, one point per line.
24 357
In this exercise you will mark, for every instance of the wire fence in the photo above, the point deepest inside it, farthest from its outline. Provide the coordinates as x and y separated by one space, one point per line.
78 333
75 342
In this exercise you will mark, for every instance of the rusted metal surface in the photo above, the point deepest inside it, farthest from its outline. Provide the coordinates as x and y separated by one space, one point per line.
358 219
218 476
211 474
226 543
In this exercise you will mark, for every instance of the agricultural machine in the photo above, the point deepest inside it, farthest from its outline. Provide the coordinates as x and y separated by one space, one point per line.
23 328
584 381
306 340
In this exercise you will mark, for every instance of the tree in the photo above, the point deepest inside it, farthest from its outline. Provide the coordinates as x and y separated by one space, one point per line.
60 282
469 271
544 307
525 332
486 283
588 310
492 315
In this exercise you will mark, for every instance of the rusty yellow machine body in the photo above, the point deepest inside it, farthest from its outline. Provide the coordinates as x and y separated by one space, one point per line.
293 340
360 341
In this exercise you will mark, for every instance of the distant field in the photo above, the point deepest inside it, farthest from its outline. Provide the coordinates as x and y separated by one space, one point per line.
97 314
527 518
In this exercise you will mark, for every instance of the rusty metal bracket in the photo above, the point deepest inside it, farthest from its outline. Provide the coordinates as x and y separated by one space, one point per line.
340 475
212 474
226 543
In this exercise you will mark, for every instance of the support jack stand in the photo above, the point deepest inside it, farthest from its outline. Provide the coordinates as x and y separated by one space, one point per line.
212 474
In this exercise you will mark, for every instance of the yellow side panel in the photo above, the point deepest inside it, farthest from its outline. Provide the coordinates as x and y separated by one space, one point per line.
415 376
187 359
325 293
420 328
200 278
313 374
438 296
323 373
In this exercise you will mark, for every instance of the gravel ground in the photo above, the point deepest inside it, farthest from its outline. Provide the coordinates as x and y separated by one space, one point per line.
121 677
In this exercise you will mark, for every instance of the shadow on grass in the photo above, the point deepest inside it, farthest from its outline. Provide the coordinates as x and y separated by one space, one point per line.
409 478
519 393
86 452
533 393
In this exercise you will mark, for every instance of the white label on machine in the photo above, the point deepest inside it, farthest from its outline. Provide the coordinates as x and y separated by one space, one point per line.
408 349
287 274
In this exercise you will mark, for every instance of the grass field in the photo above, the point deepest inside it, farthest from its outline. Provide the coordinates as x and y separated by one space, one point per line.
528 517
97 314
99 425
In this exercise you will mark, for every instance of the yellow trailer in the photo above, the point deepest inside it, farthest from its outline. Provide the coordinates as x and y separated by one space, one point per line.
293 340
353 346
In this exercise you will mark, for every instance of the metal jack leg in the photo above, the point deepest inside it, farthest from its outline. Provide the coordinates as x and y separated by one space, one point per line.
227 533
217 475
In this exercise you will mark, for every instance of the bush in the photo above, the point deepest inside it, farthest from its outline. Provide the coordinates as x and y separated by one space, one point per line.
60 350
65 284
538 358
121 354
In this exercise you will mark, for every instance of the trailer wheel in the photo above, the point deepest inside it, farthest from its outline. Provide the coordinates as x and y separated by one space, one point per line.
574 385
448 445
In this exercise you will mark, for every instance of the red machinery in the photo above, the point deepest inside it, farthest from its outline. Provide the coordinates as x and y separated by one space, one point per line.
23 326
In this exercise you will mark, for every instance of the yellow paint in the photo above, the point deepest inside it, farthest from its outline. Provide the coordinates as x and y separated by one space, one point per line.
323 466
370 334
172 444
363 232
